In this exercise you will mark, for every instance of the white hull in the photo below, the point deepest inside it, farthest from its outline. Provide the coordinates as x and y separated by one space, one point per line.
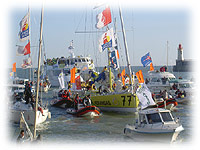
152 134
118 109
29 116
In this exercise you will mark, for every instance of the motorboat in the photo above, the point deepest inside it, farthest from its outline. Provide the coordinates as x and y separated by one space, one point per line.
55 66
29 113
84 111
61 102
159 81
155 123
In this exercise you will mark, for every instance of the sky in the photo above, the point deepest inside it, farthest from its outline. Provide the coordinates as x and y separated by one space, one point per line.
147 30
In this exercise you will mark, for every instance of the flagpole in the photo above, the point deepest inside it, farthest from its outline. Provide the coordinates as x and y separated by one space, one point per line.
38 72
126 47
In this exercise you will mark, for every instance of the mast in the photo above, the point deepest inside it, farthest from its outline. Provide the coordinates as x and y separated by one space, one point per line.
167 53
38 72
126 47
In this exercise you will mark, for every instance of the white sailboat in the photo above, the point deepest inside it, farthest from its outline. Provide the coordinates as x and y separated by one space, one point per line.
33 113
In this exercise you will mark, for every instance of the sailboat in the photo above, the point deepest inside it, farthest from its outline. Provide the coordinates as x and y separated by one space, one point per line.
32 114
124 101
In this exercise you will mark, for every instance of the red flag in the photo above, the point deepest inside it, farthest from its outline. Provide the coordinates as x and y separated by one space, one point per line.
14 67
140 76
27 49
104 18
78 83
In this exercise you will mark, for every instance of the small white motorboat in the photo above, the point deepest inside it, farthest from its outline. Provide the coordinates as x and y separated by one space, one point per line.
155 124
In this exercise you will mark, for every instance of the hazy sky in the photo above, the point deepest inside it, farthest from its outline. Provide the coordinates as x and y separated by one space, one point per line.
147 30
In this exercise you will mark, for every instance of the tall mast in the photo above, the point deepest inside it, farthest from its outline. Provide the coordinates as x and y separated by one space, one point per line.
167 53
126 47
38 72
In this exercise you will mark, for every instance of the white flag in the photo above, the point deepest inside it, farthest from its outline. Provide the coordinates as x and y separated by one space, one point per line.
25 28
27 63
144 96
61 80
20 51
107 40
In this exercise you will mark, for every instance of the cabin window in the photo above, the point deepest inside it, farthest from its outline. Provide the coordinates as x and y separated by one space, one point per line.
79 60
143 119
166 116
76 60
72 61
83 60
153 118
67 61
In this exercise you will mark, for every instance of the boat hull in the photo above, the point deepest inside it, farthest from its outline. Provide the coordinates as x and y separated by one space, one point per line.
125 102
29 116
62 103
152 135
86 111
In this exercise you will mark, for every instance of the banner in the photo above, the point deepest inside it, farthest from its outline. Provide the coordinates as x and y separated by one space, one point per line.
104 18
106 40
123 76
114 60
140 76
26 63
151 67
24 28
73 71
61 80
14 67
78 83
144 96
146 59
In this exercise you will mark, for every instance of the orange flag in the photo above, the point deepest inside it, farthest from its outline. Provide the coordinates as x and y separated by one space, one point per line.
14 67
151 67
73 71
140 76
123 75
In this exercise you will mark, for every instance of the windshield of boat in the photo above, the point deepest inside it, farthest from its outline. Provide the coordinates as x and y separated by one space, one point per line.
185 85
153 118
166 116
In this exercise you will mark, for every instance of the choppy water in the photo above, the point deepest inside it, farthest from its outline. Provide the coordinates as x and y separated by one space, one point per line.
64 128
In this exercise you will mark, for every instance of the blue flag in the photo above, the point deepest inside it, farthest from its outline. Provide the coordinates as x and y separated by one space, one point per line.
146 59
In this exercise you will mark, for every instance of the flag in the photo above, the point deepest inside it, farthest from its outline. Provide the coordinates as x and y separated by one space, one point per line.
106 40
61 80
114 60
23 50
14 67
151 67
123 76
144 96
140 76
104 18
73 71
26 63
146 59
24 28
78 82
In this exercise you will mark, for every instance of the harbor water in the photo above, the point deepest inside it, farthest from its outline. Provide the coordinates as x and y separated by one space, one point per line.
64 128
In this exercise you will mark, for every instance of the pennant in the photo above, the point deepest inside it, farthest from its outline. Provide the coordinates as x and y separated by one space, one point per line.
104 18
123 76
78 82
73 71
27 49
106 40
144 96
140 76
146 59
151 67
14 67
27 63
24 28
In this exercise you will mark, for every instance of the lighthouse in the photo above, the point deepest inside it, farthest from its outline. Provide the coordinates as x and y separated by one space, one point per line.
180 53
